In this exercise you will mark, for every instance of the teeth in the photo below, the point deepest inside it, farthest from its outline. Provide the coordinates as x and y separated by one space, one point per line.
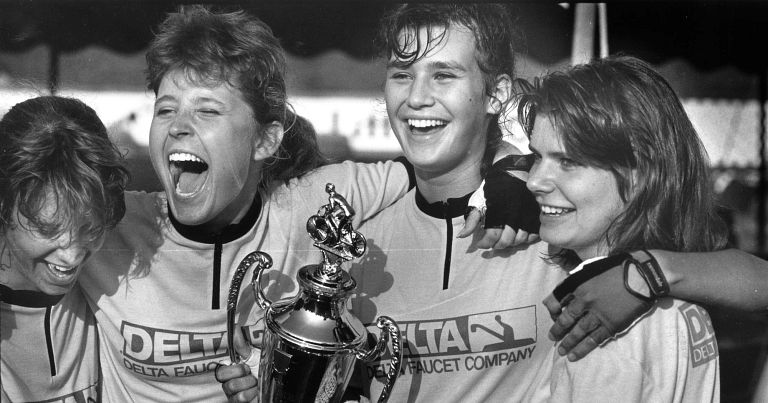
179 157
422 123
60 268
551 210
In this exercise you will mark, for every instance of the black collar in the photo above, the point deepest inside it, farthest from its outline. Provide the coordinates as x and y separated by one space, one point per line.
27 298
227 234
451 208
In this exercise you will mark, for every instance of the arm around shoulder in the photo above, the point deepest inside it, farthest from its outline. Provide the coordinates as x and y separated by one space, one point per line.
728 278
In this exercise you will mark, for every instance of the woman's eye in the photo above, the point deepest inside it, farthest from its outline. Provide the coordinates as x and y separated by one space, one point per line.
398 76
569 163
163 111
444 76
210 112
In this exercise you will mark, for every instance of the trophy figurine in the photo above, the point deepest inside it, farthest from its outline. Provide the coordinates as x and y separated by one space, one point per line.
311 341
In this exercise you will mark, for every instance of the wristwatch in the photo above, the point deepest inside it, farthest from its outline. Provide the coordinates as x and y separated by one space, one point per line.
646 265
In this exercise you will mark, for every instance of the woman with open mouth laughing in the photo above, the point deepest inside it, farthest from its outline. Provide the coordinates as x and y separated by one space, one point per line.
61 188
240 173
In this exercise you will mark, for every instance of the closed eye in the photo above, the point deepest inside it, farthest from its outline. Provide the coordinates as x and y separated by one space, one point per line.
444 76
163 111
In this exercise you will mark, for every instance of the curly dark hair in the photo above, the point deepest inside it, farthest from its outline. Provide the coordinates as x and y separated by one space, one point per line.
57 146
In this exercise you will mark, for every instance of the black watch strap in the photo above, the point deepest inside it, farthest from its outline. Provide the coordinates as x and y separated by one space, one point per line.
651 272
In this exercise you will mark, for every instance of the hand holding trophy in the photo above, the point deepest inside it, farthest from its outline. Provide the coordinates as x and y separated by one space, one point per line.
311 341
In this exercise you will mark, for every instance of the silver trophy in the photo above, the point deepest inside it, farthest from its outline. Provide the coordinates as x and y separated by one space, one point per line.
311 341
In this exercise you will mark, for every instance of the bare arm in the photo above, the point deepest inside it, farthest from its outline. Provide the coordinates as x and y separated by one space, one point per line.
729 278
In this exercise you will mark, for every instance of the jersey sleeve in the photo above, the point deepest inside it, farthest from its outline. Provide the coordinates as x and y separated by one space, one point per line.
668 356
598 378
367 187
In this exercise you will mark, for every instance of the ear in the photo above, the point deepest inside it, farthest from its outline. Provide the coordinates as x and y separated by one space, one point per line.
501 94
269 140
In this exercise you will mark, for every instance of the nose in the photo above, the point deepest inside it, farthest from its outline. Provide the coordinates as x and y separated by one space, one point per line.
420 94
539 179
181 125
72 252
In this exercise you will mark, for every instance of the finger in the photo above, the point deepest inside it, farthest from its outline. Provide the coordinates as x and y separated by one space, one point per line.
244 392
506 239
242 346
584 326
521 238
490 237
473 220
224 373
553 306
533 238
242 389
590 343
565 321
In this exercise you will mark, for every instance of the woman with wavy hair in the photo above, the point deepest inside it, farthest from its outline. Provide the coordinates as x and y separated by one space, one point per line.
619 168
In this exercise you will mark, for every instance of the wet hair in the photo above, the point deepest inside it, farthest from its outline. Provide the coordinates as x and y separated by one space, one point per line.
58 146
496 42
213 48
620 115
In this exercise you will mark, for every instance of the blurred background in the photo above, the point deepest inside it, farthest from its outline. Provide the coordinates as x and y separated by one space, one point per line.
712 53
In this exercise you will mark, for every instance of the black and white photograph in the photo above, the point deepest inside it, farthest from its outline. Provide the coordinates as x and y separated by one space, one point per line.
359 201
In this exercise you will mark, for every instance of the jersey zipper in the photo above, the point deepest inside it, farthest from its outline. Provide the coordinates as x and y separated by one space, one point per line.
448 245
217 249
49 341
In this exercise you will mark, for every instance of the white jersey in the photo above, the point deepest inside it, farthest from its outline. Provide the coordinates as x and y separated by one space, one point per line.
48 347
160 288
670 355
473 322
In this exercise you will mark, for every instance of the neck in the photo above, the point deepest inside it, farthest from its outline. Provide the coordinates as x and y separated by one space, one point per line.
592 251
455 183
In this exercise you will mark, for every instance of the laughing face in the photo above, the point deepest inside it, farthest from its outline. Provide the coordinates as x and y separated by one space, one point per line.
207 150
578 202
49 264
438 108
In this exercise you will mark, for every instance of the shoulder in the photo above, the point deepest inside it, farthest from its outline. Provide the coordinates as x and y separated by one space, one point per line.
143 212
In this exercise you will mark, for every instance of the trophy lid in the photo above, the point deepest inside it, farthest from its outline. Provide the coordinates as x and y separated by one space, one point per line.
317 318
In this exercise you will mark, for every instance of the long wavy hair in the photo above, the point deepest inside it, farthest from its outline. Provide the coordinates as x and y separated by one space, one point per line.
620 115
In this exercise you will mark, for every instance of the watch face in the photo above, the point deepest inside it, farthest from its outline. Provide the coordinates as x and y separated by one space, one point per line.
652 275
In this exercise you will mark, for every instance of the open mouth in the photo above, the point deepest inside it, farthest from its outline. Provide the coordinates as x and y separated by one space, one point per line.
188 172
425 126
61 271
553 211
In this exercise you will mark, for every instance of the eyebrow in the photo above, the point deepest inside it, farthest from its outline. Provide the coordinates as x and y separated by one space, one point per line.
436 65
209 99
441 65
196 100
555 154
164 98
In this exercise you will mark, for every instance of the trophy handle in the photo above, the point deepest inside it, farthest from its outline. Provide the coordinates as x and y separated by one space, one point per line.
234 292
393 332
266 263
